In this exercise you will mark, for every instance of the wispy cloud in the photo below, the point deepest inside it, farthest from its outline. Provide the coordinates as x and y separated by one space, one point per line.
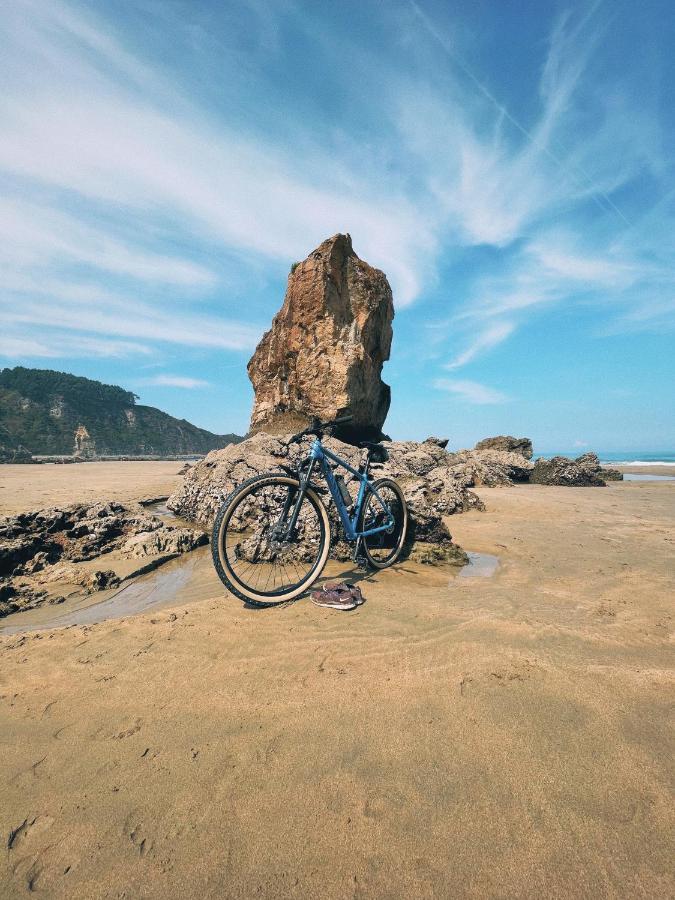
533 189
87 307
489 338
73 125
471 391
58 344
175 381
36 237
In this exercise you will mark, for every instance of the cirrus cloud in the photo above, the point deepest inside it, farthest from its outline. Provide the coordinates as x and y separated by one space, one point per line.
470 391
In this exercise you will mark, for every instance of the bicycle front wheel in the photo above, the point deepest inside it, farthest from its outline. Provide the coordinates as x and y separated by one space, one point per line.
253 555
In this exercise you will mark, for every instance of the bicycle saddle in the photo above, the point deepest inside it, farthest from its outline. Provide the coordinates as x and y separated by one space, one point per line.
377 452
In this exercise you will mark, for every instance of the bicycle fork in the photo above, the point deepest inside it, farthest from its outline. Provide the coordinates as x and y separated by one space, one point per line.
284 533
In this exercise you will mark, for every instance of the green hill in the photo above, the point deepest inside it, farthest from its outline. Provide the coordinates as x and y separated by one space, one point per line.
41 409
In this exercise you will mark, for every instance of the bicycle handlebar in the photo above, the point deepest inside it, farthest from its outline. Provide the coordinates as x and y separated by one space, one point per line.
317 428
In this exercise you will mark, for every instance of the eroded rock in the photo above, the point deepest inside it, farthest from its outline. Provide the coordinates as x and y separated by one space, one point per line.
324 353
508 444
20 597
566 472
44 546
492 468
163 540
590 462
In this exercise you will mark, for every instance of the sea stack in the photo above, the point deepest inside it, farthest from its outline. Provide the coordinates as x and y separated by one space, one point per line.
324 353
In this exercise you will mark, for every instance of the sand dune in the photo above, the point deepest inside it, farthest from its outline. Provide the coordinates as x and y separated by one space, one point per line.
453 737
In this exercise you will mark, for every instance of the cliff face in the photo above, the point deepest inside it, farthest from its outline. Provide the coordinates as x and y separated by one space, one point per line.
324 353
41 410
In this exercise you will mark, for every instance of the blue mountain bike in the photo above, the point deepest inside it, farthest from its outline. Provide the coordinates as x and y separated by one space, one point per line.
272 536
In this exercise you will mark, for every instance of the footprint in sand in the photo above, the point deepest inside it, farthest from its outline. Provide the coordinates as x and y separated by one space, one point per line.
512 673
124 730
135 831
23 838
28 869
30 772
132 728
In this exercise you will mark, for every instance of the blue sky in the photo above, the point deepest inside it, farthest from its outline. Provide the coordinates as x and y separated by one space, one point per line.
509 165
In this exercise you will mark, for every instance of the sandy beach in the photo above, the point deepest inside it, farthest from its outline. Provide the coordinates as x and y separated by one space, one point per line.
25 487
507 736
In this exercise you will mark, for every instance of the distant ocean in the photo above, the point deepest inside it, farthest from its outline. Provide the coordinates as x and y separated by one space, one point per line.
624 458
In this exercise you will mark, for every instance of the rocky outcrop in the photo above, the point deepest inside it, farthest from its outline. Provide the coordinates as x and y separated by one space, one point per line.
610 474
323 355
43 547
432 485
584 471
507 444
163 540
491 468
506 460
20 597
590 462
69 573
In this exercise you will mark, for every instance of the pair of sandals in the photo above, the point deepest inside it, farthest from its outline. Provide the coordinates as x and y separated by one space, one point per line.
338 596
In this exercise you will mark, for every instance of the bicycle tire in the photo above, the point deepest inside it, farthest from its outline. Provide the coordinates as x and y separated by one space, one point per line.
221 562
400 543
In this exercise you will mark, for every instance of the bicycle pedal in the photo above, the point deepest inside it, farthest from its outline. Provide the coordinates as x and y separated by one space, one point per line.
359 559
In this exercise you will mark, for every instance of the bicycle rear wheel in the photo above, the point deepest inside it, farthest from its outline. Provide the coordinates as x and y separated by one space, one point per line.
384 548
250 552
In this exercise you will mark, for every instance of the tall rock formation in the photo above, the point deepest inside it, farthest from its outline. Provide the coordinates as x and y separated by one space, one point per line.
323 355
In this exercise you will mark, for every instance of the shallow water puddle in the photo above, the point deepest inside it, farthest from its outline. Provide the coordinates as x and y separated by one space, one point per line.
187 579
160 509
480 565
645 476
162 587
182 580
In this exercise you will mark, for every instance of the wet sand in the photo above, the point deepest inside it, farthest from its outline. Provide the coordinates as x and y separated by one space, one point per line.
667 470
504 736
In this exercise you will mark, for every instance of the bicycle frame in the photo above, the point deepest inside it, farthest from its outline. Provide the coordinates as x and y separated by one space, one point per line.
320 455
